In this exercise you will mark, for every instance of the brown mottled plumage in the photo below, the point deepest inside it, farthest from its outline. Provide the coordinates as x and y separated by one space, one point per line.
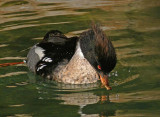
77 71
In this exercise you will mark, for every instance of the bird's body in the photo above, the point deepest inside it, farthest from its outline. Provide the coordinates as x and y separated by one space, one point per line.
72 60
77 71
71 67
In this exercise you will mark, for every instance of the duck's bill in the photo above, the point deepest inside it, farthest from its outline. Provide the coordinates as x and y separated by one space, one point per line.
104 81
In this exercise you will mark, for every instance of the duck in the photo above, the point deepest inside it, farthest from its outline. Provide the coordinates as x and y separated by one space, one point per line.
82 59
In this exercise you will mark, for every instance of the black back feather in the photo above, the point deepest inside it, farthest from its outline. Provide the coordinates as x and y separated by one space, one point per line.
57 48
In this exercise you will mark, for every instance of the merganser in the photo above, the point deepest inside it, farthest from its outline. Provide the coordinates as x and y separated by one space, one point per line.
75 60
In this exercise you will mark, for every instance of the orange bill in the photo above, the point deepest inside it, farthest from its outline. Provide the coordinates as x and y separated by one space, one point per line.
104 81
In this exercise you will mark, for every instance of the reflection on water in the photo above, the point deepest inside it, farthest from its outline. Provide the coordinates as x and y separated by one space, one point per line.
81 99
133 26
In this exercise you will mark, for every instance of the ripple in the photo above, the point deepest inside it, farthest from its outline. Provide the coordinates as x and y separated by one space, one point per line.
13 3
11 86
22 83
133 77
13 58
21 115
12 74
12 27
17 105
135 96
3 45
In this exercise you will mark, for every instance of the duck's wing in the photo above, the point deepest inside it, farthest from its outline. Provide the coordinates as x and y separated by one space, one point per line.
50 54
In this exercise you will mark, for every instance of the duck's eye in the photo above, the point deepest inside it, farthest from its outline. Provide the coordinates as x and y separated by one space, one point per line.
99 67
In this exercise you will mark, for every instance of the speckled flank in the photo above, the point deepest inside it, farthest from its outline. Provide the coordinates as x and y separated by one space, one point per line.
77 71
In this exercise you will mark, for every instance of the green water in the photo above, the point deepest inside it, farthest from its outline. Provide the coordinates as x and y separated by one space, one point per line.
132 25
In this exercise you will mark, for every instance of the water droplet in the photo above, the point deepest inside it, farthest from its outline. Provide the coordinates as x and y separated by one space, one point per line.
40 98
116 74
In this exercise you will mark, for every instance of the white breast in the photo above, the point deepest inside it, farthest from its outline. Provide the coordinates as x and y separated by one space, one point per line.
79 51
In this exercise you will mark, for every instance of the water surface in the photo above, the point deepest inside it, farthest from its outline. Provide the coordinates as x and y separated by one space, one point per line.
134 28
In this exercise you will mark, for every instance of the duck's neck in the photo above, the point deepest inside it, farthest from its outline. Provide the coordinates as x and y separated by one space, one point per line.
87 44
78 51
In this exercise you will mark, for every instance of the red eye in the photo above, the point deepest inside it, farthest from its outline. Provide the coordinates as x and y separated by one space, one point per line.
99 67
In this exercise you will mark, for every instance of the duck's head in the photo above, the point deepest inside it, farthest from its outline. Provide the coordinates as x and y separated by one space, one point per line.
54 36
99 52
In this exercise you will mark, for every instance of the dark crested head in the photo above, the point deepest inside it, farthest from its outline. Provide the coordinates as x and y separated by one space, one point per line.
53 36
105 51
98 49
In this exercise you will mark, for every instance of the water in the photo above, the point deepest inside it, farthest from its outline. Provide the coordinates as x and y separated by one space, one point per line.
134 28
